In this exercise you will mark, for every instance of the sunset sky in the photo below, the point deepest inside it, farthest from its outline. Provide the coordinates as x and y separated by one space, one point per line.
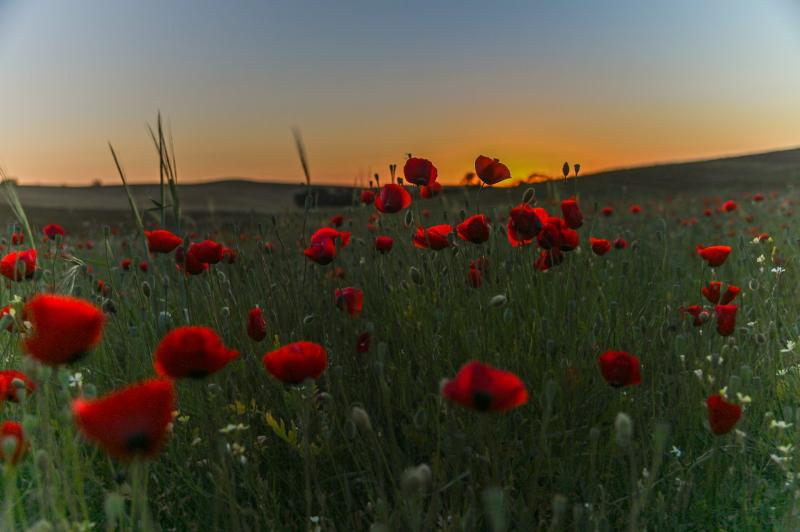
609 84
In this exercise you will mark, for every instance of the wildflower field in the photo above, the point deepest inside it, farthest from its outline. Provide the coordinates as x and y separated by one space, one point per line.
424 359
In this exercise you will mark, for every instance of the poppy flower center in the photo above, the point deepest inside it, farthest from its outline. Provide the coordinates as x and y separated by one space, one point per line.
481 400
138 443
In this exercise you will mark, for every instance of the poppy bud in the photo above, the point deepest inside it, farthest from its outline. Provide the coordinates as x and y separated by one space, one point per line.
529 195
308 319
416 479
408 219
360 419
623 429
498 301
416 275
146 289
577 167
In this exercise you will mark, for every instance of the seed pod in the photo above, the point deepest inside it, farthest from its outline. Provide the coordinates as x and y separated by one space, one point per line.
416 275
498 301
308 319
529 195
408 219
146 289
360 419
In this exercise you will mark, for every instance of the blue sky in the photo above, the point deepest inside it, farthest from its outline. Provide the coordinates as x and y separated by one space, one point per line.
612 83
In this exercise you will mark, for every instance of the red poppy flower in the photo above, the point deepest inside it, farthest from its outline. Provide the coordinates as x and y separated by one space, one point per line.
572 213
125 264
619 368
729 206
475 277
384 244
367 197
329 233
722 415
362 343
714 255
726 319
491 171
296 362
635 209
600 246
193 351
730 294
711 292
17 238
758 197
143 266
474 229
393 198
708 212
350 300
162 241
434 189
19 265
699 315
337 220
229 255
64 328
321 252
207 251
419 171
256 325
13 430
130 423
484 388
524 223
620 243
549 258
434 237
10 390
607 211
51 230
188 262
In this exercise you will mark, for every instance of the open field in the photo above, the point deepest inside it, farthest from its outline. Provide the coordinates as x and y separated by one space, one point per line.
375 440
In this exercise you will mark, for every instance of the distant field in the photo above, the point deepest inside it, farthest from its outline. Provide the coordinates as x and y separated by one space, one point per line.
243 196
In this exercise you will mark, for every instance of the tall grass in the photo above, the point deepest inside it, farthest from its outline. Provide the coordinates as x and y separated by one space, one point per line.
386 451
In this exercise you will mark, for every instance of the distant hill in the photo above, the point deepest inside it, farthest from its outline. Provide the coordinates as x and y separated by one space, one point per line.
761 170
741 171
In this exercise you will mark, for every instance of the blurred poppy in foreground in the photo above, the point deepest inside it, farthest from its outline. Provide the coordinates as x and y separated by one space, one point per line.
619 368
162 241
392 198
11 431
191 351
722 414
256 324
351 300
491 171
296 362
419 171
714 255
15 384
130 423
63 328
434 237
484 388
19 265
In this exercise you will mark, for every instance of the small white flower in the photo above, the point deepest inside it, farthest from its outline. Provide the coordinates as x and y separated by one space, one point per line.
786 449
76 380
745 399
761 259
781 425
676 452
790 345
699 373
778 270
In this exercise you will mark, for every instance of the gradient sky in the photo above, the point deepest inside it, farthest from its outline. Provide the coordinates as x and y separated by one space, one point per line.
612 83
